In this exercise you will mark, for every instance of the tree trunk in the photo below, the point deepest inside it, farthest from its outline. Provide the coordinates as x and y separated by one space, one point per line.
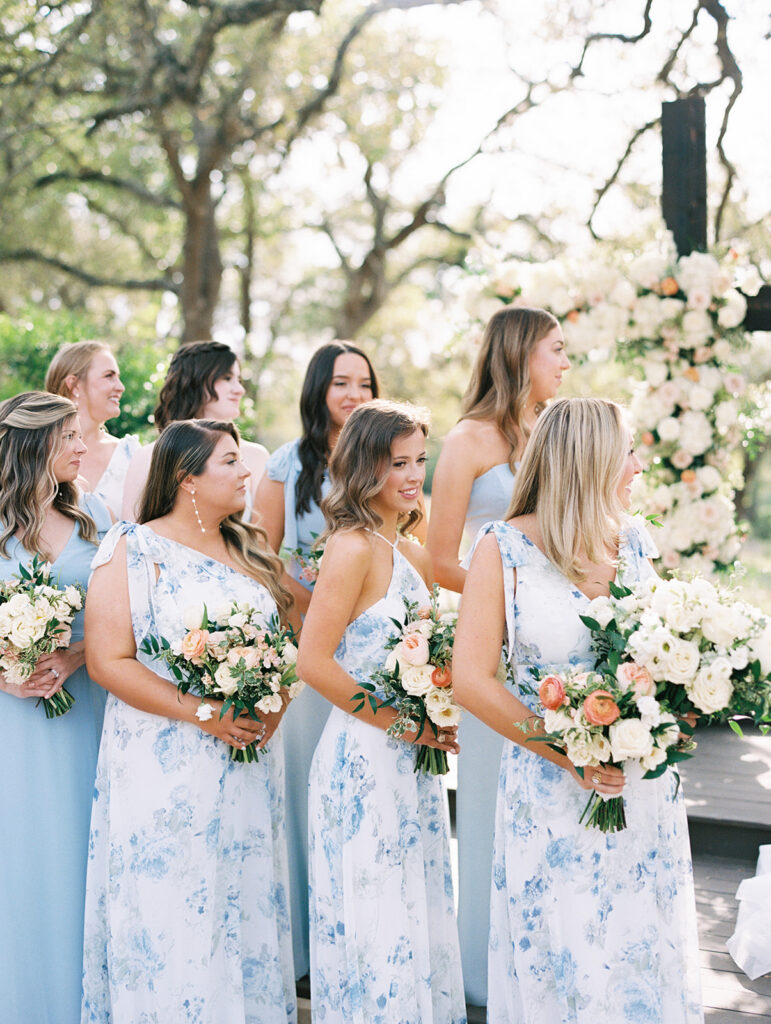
202 264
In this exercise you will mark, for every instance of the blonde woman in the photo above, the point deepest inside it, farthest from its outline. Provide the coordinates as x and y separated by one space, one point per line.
384 942
47 767
585 926
519 367
87 373
203 382
187 887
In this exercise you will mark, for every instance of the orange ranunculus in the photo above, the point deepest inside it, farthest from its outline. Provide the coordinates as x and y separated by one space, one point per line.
573 316
552 692
692 373
600 708
669 286
194 644
647 438
442 677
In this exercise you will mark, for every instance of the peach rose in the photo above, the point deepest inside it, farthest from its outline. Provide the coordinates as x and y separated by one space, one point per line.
669 286
442 677
688 476
600 708
647 438
632 676
552 692
414 649
194 644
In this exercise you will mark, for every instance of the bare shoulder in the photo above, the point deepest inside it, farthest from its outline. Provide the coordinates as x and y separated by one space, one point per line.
355 545
478 443
253 451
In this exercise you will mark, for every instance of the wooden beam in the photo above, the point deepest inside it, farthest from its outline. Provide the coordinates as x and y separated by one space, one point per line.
758 317
684 186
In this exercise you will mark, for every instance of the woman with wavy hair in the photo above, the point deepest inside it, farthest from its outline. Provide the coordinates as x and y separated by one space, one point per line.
203 382
187 888
518 368
586 926
384 941
47 766
338 379
87 373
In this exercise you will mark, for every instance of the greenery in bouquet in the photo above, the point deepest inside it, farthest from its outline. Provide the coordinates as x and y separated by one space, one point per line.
595 720
36 619
233 656
702 649
307 561
416 679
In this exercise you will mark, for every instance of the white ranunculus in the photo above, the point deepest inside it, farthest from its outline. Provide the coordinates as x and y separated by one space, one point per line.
630 738
711 690
440 708
192 617
224 680
416 679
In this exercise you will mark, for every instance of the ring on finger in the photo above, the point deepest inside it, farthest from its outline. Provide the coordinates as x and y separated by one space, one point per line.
442 737
54 673
596 778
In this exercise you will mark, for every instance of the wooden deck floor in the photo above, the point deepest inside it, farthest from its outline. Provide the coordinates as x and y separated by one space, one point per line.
729 777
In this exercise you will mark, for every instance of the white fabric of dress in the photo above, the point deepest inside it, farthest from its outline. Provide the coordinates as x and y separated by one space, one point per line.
384 941
186 900
585 927
110 485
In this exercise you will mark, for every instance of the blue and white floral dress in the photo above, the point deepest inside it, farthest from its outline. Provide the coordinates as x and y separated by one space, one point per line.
186 906
585 928
384 942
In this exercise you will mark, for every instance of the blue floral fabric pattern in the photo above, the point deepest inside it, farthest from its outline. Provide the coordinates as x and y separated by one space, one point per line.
586 928
187 905
384 946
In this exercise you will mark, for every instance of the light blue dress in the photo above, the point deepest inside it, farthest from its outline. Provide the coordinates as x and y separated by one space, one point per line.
586 928
47 769
478 767
187 916
303 727
384 942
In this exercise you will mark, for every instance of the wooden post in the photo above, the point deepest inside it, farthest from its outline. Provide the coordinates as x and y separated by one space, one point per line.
684 186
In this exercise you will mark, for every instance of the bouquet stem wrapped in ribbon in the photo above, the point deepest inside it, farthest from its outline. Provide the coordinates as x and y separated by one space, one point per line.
235 657
36 619
416 679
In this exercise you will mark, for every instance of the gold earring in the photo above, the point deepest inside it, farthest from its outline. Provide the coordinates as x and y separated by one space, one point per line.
195 509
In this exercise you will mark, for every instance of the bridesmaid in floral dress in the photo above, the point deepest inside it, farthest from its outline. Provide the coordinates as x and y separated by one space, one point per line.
186 910
87 373
47 766
585 927
338 379
384 945
518 369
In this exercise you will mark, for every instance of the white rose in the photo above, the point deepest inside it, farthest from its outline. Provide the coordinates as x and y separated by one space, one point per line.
720 626
270 704
650 711
669 429
192 617
734 310
602 610
391 662
580 748
416 680
656 757
711 690
221 613
709 478
557 721
681 661
655 373
630 738
671 735
72 594
296 688
224 680
237 621
22 634
700 397
739 658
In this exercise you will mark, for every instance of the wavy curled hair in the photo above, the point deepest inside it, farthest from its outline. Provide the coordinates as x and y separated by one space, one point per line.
182 450
30 441
361 464
569 478
189 385
73 360
500 380
313 449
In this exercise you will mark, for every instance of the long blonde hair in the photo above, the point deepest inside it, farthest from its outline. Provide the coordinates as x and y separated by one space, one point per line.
569 477
361 463
71 360
500 381
30 425
183 449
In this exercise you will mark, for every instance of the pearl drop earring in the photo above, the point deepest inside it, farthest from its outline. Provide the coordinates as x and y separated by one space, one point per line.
195 509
